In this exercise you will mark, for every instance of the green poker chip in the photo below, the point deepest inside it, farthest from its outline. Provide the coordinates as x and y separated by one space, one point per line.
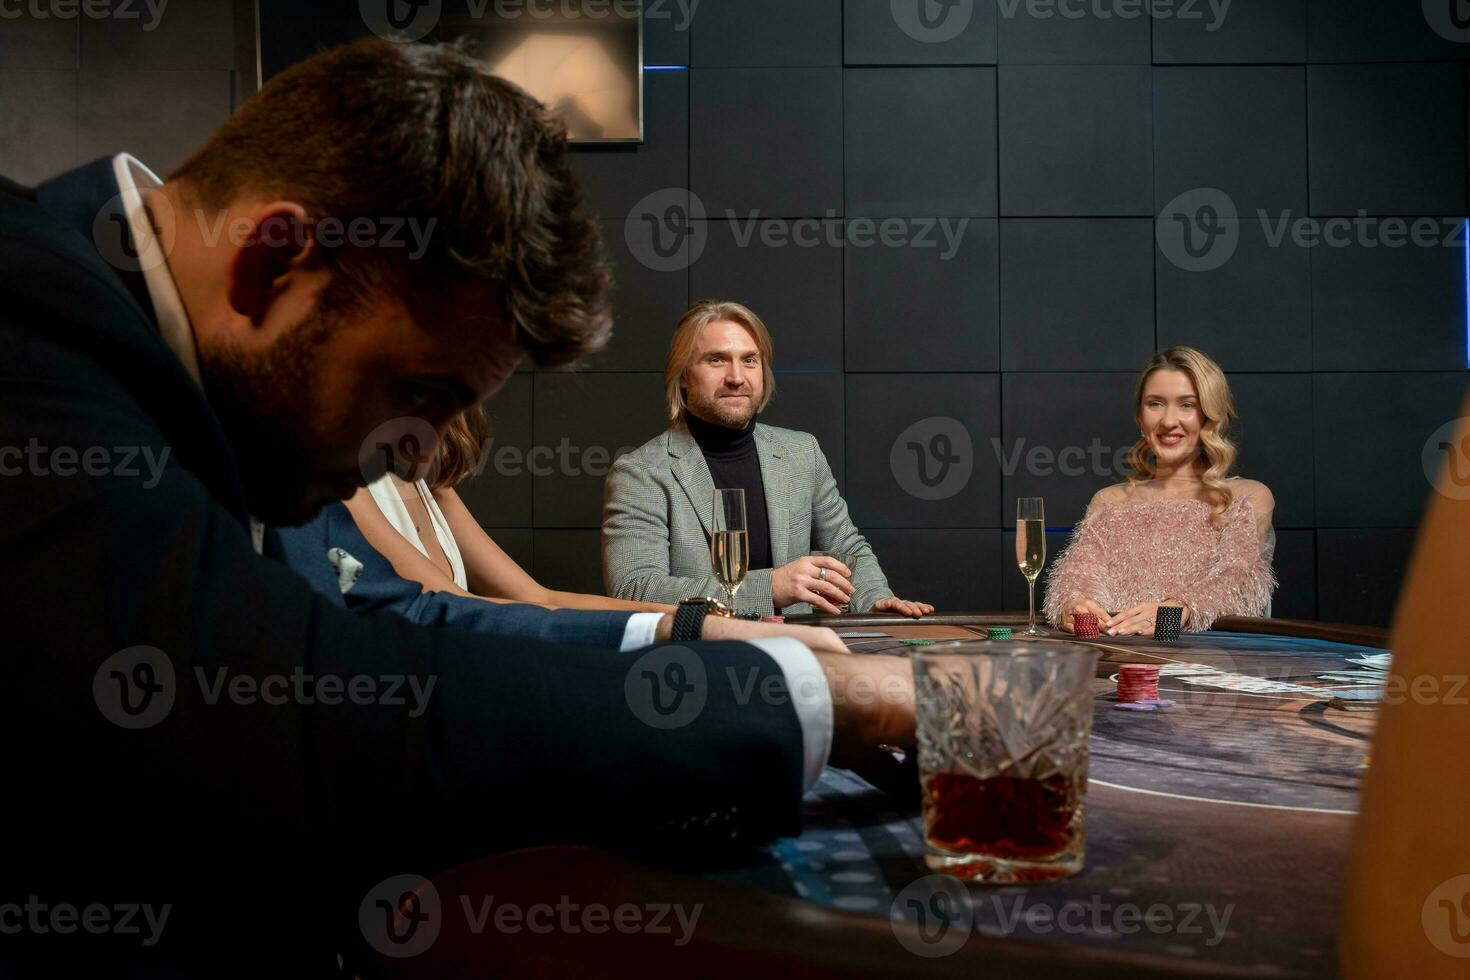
998 633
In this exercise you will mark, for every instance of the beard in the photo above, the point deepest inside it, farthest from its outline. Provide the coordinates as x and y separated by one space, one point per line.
733 413
266 403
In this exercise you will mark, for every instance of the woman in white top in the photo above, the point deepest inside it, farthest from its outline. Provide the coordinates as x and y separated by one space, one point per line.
430 537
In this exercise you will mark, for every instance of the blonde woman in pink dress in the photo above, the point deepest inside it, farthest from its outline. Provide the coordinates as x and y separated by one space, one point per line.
1182 531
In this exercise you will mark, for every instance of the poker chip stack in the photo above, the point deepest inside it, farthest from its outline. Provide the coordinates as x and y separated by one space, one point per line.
1166 626
1138 682
998 633
1084 625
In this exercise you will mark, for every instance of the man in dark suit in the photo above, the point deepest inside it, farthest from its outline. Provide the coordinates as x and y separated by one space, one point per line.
193 730
330 552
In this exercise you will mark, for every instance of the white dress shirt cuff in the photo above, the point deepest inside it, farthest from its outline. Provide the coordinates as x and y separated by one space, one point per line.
810 696
639 631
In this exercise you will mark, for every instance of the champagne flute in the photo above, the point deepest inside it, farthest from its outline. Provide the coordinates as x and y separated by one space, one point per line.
729 542
1031 551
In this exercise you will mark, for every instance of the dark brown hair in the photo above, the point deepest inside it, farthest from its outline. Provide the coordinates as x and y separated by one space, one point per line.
389 130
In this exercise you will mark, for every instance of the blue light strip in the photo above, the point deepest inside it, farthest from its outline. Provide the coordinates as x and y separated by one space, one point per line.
665 67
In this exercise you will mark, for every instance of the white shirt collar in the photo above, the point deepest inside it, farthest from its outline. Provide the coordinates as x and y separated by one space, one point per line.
133 178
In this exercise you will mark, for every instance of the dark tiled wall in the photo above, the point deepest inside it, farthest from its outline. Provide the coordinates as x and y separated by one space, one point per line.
75 87
1060 142
1045 148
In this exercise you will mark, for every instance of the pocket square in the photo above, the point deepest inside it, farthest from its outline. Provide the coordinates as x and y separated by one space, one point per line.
347 568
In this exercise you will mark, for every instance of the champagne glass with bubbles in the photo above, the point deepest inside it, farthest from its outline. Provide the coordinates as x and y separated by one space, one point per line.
1031 551
729 542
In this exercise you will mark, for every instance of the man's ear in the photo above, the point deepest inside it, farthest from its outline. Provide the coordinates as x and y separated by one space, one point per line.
280 238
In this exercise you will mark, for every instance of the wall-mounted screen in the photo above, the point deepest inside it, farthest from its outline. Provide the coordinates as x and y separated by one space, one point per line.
581 58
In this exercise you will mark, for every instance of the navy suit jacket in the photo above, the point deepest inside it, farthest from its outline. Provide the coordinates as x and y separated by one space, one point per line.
175 721
379 588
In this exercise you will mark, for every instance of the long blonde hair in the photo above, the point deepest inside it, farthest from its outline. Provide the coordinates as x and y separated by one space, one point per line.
686 342
1218 407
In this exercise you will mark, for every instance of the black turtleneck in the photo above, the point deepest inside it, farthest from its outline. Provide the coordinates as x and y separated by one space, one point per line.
733 463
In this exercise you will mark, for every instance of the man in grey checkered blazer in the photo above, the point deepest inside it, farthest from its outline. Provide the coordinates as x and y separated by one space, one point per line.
659 499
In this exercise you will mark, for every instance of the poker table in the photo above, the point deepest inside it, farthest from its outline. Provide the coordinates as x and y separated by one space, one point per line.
1227 815
1217 844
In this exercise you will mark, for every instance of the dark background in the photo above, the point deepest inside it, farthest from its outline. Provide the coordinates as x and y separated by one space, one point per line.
1060 140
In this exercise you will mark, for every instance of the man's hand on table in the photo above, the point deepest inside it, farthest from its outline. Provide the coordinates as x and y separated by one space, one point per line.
904 607
872 700
819 639
872 696
872 709
872 704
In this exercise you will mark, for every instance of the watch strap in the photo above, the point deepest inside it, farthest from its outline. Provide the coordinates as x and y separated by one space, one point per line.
688 621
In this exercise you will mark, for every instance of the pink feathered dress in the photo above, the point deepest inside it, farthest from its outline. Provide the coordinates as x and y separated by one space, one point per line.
1148 550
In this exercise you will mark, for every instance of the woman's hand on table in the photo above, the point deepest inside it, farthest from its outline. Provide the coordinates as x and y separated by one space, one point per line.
1082 605
1139 620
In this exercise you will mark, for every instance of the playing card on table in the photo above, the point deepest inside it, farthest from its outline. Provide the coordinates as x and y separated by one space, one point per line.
1188 670
1354 676
1252 685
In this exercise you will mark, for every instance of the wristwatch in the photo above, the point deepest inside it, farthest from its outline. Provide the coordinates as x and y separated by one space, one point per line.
689 617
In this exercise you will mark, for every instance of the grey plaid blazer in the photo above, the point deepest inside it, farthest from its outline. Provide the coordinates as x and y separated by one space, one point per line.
656 521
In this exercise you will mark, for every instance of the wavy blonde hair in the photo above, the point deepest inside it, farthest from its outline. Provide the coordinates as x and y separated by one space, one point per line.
685 344
1218 407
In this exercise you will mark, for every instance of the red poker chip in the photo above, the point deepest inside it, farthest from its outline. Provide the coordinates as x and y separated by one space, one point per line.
1085 624
1138 682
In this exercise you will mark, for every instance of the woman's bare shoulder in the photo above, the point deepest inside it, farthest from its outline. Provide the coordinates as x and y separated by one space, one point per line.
1254 491
1118 493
